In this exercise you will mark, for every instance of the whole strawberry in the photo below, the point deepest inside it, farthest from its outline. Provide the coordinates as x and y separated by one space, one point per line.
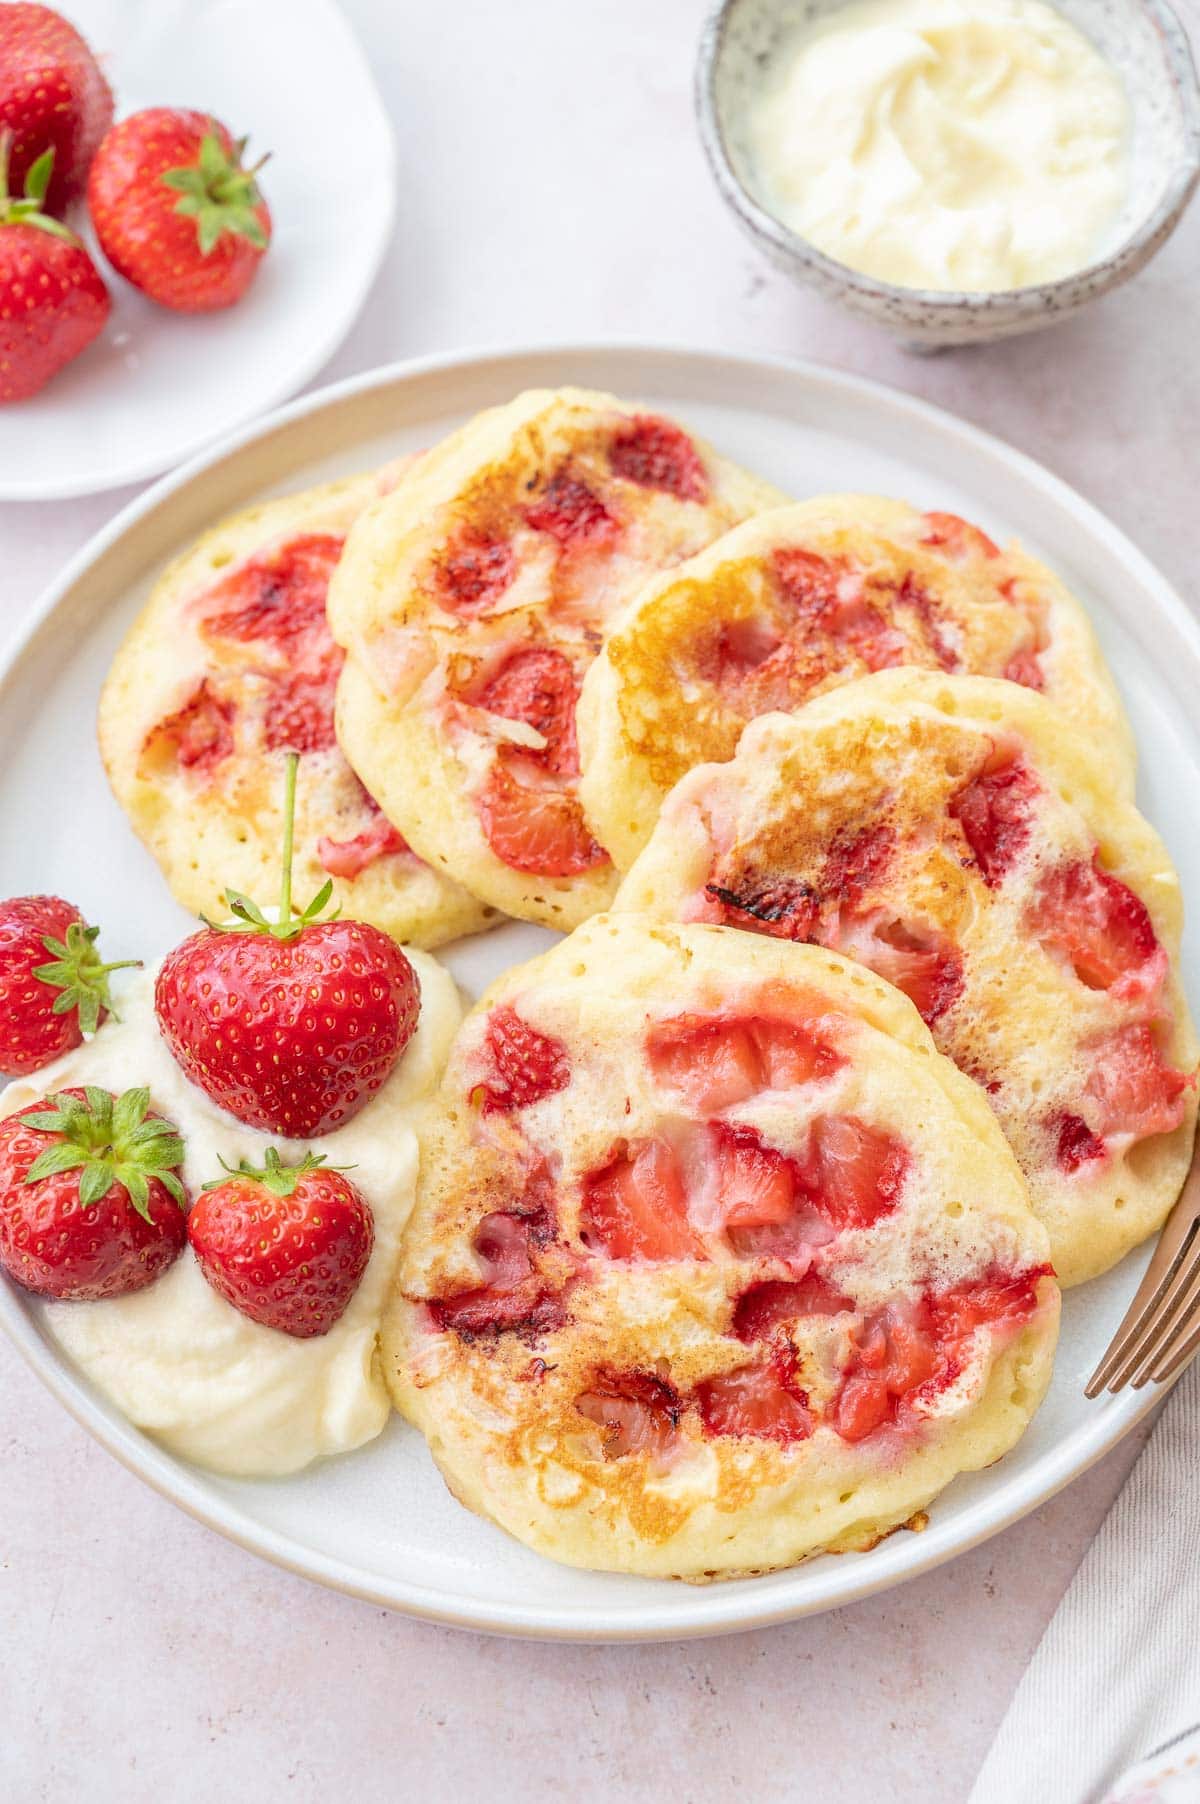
53 96
91 1203
53 986
285 1244
290 1025
52 300
176 212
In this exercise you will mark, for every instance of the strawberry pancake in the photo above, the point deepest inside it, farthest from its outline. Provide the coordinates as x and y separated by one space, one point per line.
715 1263
799 600
230 666
471 602
957 836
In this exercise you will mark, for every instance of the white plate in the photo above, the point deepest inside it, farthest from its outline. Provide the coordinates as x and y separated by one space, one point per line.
156 386
379 1523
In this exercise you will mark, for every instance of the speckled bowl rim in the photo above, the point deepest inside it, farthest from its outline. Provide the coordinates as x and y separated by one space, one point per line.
1038 300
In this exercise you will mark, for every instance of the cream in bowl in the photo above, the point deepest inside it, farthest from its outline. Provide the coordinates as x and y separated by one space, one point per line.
957 169
951 144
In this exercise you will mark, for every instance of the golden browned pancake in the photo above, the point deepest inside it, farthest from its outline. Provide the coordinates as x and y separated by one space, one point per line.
470 604
229 666
957 836
798 600
715 1261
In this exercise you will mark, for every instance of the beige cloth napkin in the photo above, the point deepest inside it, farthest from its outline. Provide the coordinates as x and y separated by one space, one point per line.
1116 1676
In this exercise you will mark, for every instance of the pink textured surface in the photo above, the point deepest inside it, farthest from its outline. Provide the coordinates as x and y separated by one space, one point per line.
553 188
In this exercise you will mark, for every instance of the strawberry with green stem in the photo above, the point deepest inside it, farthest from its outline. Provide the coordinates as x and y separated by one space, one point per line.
176 211
48 1004
91 1201
52 299
285 1244
291 1025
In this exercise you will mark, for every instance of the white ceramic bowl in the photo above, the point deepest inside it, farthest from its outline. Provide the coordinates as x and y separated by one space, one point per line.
1143 39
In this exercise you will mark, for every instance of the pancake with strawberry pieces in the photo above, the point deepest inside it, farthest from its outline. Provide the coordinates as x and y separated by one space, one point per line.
799 600
956 835
713 1266
470 604
230 666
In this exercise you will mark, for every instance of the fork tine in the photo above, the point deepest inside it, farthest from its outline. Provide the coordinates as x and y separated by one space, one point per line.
1122 1352
1172 1361
1174 1317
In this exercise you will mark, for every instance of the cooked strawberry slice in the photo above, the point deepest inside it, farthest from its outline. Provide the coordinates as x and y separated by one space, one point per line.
855 863
1074 1142
911 1348
657 454
538 686
513 1296
637 1411
474 573
530 1310
957 538
868 633
1001 1300
753 1193
1025 668
828 597
1134 1092
993 809
635 1208
810 583
933 626
753 668
755 1183
778 1302
895 1353
918 960
538 830
1099 925
711 1061
199 736
277 599
521 1065
793 1054
785 908
299 715
717 1061
569 511
853 1174
861 1406
757 1400
739 648
349 858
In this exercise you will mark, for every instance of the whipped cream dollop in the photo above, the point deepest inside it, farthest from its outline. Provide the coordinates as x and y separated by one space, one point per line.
945 144
176 1358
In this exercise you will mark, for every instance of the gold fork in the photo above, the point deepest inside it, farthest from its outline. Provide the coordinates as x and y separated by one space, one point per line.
1161 1328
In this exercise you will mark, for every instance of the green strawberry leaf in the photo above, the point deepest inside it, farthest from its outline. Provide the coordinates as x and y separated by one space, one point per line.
62 1156
279 1179
37 179
219 193
77 973
96 1182
109 1140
